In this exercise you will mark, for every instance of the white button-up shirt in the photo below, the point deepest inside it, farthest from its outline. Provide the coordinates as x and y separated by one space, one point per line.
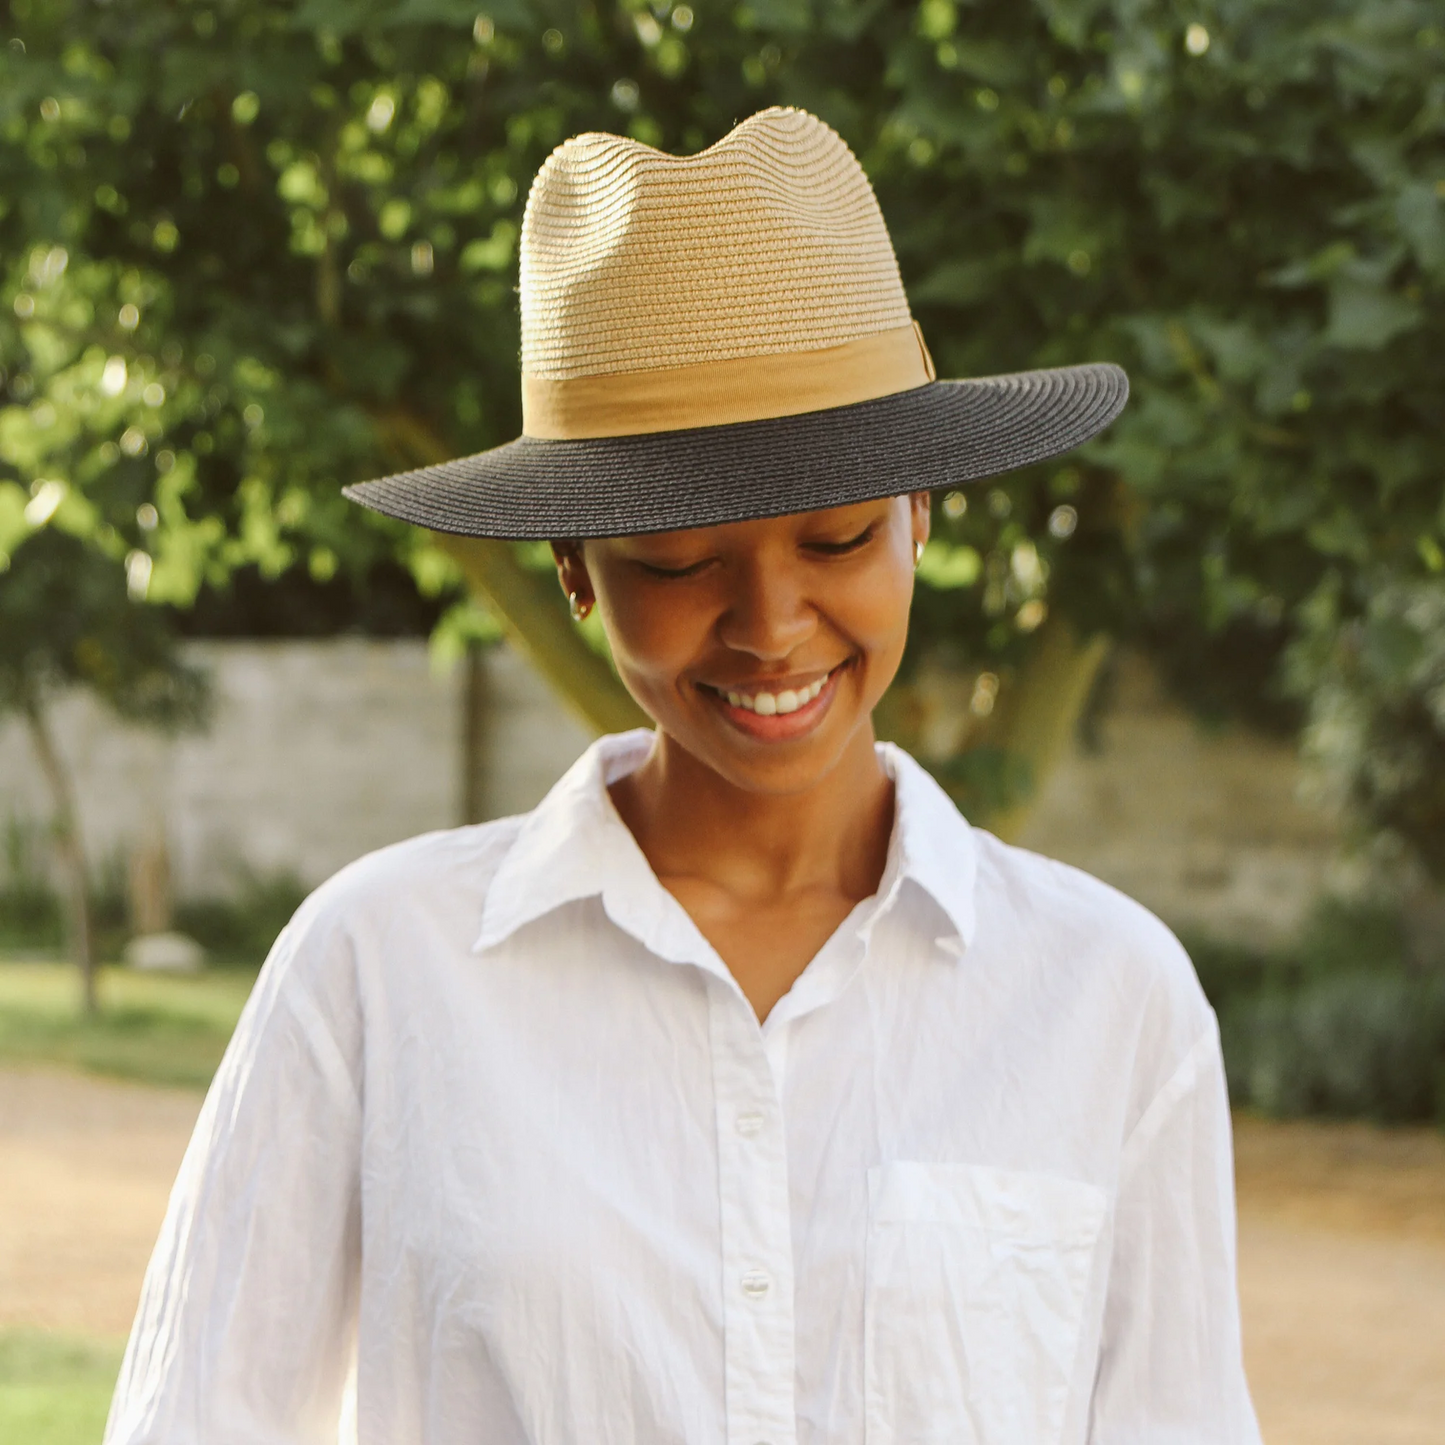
500 1141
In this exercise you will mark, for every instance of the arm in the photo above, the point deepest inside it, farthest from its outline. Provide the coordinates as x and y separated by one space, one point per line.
1170 1365
246 1320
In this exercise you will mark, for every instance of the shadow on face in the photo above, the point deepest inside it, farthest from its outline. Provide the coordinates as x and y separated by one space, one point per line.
760 647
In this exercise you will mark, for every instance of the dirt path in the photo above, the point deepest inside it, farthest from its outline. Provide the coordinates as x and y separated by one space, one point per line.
1342 1247
85 1170
1342 1281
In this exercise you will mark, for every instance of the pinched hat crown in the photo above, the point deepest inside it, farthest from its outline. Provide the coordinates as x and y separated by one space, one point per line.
753 279
724 336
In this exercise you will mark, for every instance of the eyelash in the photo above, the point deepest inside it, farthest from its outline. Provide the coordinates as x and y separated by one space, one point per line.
828 549
839 549
672 573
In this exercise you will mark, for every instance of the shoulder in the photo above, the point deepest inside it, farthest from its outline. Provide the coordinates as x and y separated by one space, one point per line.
1090 940
432 873
420 868
1049 898
432 887
381 917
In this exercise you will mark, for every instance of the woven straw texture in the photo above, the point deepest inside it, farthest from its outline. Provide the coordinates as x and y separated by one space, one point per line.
940 435
769 244
770 241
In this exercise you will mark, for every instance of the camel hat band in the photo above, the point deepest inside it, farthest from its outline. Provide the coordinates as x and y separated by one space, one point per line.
724 336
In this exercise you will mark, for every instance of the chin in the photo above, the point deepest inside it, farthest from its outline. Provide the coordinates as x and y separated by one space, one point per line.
781 777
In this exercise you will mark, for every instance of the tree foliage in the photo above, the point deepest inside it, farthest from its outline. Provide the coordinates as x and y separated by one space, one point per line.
66 620
273 245
1376 729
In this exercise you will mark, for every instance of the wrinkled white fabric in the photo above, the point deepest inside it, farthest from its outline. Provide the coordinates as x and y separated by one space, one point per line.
500 1138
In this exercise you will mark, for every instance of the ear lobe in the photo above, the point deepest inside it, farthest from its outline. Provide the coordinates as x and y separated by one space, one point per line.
572 573
922 509
563 557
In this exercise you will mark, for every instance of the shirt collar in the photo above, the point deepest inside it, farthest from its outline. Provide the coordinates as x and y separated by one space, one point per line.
932 847
574 845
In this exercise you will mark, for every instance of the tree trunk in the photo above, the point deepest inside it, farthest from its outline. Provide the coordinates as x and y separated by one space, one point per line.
528 605
69 846
1424 918
1041 709
1039 706
476 700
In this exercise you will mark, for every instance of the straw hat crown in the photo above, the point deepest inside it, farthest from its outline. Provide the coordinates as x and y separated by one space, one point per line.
770 241
724 336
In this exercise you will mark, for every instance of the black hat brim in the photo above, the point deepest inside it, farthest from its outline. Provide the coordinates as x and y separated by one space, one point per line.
943 434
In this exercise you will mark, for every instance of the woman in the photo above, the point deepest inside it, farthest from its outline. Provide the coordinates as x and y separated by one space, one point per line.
741 1092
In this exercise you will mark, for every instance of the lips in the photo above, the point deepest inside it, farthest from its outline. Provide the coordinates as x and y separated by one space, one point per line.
778 712
788 699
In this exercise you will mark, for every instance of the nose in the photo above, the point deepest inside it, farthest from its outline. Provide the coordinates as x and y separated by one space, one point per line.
768 615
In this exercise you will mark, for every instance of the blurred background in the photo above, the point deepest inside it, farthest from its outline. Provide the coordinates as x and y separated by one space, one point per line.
251 251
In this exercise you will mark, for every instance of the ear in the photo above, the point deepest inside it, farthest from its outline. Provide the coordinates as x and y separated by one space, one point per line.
921 507
572 572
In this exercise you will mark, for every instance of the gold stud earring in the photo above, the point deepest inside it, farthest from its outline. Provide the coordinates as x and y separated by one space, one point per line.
917 553
579 607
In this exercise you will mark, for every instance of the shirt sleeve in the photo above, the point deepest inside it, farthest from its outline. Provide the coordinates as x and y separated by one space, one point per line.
246 1324
1171 1368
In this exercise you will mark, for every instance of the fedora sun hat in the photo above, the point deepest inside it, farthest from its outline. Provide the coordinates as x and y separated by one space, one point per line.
725 336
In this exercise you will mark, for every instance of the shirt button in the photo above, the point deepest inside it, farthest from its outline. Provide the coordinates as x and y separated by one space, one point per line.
750 1124
756 1284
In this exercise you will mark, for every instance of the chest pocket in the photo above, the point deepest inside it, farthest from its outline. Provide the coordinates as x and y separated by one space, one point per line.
974 1297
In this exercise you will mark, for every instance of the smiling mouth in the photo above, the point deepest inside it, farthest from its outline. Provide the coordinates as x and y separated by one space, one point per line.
774 704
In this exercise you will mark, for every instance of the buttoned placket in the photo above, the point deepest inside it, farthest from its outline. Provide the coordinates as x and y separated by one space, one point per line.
754 1208
757 1242
749 1076
749 1066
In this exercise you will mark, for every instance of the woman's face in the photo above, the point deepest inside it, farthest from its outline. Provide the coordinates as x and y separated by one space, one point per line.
760 647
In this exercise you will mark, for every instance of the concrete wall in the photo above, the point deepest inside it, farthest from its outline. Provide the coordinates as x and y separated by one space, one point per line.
318 753
530 739
322 751
1203 825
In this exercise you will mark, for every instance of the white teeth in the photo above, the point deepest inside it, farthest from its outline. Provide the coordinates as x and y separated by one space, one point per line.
767 704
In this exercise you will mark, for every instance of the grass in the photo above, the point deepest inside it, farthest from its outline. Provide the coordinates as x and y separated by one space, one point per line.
157 1029
54 1389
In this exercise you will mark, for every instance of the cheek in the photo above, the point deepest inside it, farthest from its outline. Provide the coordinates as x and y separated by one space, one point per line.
652 640
874 613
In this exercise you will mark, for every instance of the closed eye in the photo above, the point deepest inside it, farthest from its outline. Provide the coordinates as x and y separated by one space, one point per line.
839 549
653 570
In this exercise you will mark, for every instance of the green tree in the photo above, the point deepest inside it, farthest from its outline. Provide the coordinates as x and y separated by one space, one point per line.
1375 729
312 210
66 620
78 561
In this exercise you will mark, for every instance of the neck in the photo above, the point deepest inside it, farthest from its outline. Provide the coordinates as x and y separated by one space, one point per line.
691 822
